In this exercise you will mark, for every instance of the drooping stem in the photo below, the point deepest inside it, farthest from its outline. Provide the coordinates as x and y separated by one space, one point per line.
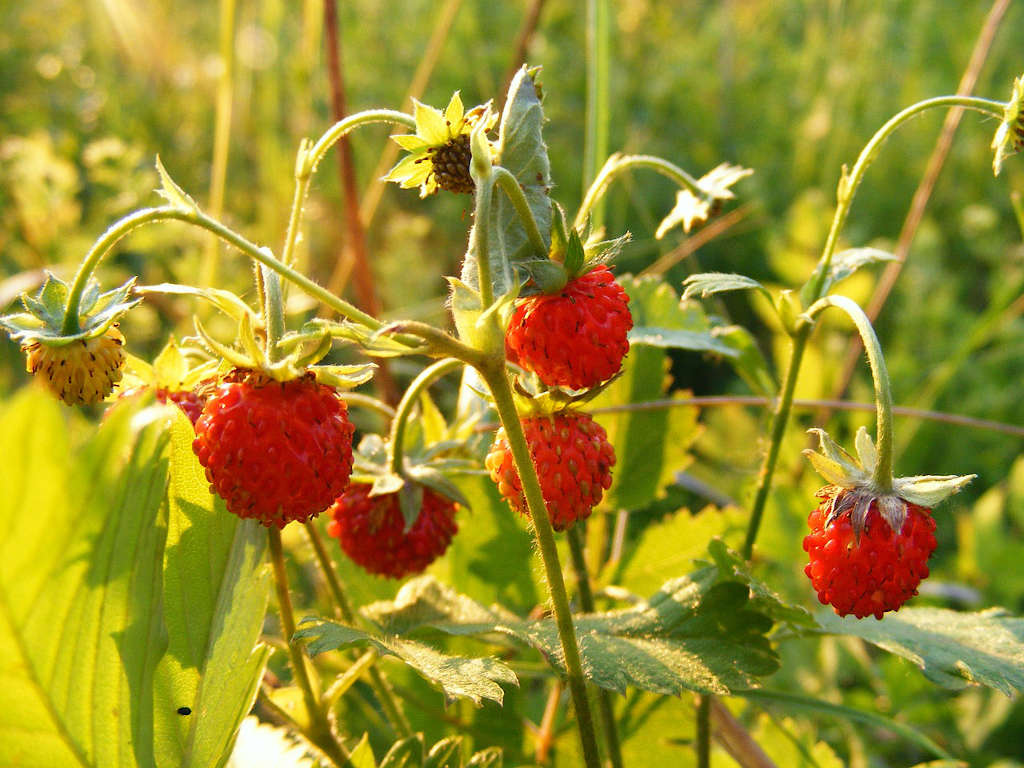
405 407
818 281
320 732
882 477
199 219
495 377
379 683
616 165
510 186
605 711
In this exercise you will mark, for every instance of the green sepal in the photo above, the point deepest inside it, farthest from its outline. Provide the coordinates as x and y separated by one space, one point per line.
575 257
929 490
834 464
43 319
171 192
559 233
226 301
432 477
549 276
386 483
344 376
410 502
371 342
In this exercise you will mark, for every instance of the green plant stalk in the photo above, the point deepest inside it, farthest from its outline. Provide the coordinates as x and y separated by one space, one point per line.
370 403
405 407
481 239
616 165
882 476
379 683
510 186
309 158
605 711
199 219
273 311
221 132
595 144
495 377
319 732
847 189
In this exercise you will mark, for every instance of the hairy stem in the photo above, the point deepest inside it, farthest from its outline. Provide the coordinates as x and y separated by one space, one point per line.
495 377
405 407
320 732
510 186
703 745
882 476
816 286
605 711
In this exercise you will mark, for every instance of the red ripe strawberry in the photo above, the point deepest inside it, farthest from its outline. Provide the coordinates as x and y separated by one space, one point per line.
575 338
875 571
275 451
188 400
573 459
371 530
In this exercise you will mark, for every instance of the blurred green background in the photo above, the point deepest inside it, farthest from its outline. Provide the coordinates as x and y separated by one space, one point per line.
91 91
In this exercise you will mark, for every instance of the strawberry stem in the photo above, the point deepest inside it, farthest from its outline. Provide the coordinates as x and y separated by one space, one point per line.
405 407
481 245
616 165
319 730
881 478
496 378
816 286
510 186
273 311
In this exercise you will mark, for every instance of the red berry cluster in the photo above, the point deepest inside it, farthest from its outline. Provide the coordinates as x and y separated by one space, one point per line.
575 338
275 451
371 530
573 459
875 572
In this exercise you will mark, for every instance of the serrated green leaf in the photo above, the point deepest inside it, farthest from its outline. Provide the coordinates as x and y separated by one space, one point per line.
215 592
951 648
81 532
521 150
679 338
171 192
695 633
456 676
844 264
707 284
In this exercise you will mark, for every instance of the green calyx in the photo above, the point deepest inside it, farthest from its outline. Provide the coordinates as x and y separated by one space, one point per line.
45 317
294 355
855 478
1009 138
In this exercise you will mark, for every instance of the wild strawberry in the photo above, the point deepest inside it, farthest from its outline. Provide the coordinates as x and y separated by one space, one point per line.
188 400
875 571
371 530
573 459
872 534
275 451
574 338
82 372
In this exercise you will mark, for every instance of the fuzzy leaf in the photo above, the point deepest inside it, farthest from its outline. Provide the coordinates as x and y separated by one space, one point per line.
171 192
457 676
951 648
709 283
697 633
844 264
929 490
521 150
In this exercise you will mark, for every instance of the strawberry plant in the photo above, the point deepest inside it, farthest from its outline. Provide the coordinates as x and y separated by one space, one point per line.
139 633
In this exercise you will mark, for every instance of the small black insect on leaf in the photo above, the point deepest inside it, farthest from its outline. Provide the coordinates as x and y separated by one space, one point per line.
184 711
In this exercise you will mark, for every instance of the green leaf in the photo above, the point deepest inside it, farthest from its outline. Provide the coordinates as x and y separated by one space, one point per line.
215 591
457 676
707 284
521 150
694 633
81 535
650 445
362 755
844 264
171 192
951 648
678 338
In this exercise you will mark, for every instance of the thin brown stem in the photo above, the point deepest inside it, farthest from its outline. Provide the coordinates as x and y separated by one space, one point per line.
366 290
523 39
